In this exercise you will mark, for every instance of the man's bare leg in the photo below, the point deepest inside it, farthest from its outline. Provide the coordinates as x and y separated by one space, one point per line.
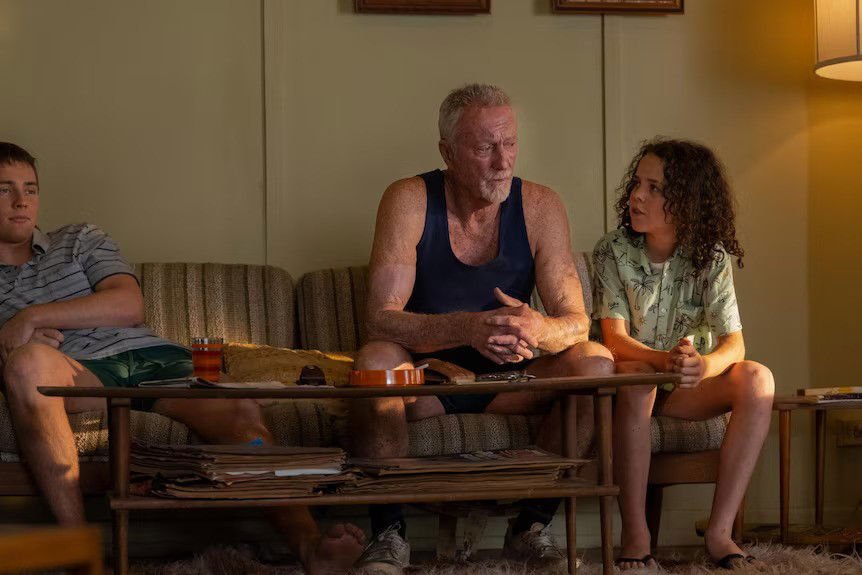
226 421
379 426
746 389
585 358
632 414
42 428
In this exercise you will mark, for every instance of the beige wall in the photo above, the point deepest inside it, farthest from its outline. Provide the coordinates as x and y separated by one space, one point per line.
352 106
834 203
146 118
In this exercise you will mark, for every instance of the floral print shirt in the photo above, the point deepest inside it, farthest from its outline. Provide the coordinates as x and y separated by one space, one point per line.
667 304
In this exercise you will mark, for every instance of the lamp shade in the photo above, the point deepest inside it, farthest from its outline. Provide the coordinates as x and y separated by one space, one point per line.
839 49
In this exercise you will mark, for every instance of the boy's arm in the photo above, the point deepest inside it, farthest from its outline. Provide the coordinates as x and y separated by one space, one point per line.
117 301
615 335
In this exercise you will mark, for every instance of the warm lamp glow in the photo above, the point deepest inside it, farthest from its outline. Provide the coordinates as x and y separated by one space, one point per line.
839 48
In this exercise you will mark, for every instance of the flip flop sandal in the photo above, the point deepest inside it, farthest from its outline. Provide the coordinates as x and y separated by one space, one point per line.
645 559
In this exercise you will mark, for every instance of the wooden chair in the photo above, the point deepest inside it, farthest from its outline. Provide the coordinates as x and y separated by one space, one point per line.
78 549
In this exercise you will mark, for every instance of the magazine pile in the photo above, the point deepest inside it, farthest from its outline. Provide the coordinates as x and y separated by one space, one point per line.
277 472
525 468
239 471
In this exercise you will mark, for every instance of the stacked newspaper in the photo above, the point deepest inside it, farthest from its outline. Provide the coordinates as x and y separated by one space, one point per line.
529 467
833 394
239 471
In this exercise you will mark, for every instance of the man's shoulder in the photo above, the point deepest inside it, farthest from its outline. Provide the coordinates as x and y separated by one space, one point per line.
544 211
406 188
404 197
538 193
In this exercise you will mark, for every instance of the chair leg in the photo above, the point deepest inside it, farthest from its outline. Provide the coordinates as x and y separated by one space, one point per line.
653 512
739 523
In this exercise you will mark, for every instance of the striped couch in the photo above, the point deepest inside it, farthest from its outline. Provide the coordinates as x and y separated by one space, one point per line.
324 310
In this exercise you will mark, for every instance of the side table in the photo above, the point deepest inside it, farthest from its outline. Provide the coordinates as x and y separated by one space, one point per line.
786 405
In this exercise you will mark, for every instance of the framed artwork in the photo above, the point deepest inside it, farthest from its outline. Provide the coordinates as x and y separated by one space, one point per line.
424 6
618 6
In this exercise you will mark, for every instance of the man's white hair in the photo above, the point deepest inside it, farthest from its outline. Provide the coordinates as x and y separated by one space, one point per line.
481 95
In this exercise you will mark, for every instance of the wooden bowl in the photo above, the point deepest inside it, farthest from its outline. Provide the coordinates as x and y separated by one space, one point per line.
386 377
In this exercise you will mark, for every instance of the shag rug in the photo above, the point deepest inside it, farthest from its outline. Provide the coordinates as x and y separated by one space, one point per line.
779 559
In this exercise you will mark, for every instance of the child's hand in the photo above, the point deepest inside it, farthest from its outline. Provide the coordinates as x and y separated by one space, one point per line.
685 360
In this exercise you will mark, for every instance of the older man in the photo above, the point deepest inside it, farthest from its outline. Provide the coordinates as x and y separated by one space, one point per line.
71 315
456 256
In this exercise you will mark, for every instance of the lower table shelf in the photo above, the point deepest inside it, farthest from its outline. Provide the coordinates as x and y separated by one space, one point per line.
563 488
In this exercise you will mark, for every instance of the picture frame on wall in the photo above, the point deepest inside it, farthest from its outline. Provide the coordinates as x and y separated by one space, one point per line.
423 6
619 6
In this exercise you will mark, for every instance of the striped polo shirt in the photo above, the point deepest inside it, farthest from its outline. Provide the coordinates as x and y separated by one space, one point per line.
67 264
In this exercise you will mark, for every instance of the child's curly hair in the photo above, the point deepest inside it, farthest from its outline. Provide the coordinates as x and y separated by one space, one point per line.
697 197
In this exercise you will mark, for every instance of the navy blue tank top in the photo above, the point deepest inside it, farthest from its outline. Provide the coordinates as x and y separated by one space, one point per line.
446 284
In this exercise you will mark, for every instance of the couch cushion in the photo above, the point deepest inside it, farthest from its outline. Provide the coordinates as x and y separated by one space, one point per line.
671 435
469 432
332 309
244 303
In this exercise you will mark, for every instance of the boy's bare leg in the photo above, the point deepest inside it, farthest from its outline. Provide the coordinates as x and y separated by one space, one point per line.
583 359
45 438
633 409
746 389
236 421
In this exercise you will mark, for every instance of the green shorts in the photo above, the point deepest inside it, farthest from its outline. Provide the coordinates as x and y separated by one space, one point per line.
130 368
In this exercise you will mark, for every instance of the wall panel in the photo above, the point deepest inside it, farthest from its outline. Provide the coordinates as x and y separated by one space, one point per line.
352 106
146 118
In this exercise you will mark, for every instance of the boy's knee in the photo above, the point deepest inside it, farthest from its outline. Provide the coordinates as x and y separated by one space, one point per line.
26 368
753 380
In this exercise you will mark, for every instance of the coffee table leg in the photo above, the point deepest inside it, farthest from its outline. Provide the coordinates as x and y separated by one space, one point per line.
603 415
570 449
784 471
571 534
118 434
820 451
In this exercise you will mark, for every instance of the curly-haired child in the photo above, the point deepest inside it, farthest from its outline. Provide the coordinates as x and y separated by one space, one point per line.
666 302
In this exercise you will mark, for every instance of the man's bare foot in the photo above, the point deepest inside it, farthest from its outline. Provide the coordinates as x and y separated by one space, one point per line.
336 551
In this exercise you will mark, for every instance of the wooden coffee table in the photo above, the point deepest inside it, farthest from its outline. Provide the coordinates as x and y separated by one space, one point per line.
570 488
786 405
